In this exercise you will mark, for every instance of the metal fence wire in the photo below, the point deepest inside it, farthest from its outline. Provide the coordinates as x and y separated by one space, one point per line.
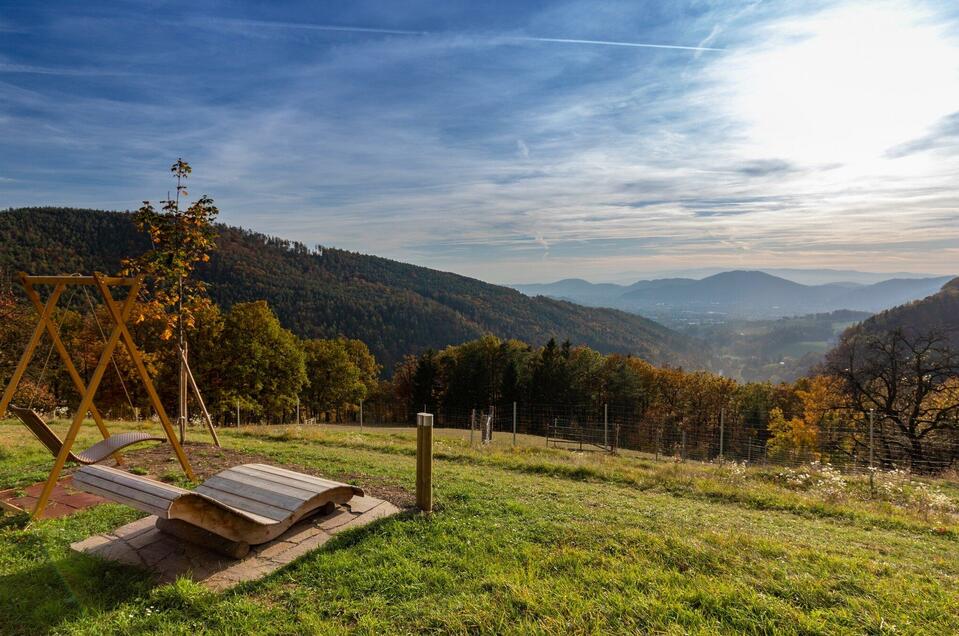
720 436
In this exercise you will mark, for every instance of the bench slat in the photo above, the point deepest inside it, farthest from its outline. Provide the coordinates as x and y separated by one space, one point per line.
269 496
112 490
112 495
297 490
157 488
307 481
242 503
279 480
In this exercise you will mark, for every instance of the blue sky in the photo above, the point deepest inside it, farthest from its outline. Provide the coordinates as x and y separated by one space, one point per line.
510 141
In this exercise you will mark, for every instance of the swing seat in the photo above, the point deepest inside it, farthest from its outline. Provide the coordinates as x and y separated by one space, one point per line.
93 455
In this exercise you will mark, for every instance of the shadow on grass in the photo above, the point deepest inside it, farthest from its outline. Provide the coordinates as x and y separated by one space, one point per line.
35 600
346 540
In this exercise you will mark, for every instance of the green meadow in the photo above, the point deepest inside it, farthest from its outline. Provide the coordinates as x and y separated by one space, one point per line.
525 539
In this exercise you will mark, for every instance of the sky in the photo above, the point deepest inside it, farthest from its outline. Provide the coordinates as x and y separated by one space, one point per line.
510 141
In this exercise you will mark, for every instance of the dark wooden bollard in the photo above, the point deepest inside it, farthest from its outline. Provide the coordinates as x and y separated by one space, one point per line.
424 462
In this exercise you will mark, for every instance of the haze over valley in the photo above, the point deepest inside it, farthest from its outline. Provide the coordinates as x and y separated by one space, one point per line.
757 326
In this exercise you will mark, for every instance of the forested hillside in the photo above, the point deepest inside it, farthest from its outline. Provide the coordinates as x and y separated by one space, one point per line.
938 314
394 307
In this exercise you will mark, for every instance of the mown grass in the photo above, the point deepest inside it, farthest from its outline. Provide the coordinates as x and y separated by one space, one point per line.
528 540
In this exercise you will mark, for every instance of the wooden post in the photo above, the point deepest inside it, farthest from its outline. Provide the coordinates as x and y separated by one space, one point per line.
119 318
424 462
606 426
722 426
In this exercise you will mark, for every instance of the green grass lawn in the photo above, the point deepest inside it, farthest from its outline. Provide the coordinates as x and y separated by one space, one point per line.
528 540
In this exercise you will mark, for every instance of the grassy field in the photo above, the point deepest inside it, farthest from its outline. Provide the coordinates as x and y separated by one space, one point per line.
528 540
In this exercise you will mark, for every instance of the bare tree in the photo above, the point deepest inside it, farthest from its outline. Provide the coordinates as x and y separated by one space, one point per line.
910 381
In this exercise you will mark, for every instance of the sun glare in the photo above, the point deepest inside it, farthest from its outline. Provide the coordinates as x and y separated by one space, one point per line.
844 86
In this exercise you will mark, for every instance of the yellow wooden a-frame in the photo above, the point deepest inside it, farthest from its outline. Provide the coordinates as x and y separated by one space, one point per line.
119 313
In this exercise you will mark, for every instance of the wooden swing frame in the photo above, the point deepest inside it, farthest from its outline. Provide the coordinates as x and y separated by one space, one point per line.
119 313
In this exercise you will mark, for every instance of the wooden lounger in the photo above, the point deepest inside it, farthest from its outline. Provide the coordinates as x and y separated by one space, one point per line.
236 508
93 455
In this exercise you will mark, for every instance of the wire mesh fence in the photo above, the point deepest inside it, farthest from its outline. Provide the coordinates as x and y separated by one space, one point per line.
711 437
861 444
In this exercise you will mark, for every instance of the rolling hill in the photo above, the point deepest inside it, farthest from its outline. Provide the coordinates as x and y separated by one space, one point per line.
394 307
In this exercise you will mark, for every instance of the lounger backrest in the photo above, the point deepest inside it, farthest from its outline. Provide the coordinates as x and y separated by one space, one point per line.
38 427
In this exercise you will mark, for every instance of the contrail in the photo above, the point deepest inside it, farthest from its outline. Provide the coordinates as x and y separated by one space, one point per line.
639 45
322 27
507 38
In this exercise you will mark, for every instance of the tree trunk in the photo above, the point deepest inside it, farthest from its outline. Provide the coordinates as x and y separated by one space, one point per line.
916 463
182 406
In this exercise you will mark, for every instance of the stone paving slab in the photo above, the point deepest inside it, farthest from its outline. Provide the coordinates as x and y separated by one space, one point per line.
167 557
64 500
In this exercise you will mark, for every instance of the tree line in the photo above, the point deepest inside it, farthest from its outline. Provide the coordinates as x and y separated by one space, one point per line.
242 358
906 384
322 292
886 398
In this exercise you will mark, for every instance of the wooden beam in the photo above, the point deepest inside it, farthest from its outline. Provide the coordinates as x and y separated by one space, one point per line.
54 334
31 347
85 401
119 319
111 281
199 398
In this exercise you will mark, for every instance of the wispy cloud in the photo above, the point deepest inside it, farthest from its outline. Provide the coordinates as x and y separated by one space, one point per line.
64 71
944 135
444 146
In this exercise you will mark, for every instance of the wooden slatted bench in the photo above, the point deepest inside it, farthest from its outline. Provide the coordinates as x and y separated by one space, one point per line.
232 510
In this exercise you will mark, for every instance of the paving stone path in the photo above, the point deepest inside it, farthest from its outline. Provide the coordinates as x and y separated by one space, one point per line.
166 557
65 499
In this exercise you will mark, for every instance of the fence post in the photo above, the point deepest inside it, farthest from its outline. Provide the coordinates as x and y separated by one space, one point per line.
424 462
722 425
871 447
606 426
514 423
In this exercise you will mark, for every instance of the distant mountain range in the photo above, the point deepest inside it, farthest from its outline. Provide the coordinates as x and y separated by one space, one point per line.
396 308
805 276
738 295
